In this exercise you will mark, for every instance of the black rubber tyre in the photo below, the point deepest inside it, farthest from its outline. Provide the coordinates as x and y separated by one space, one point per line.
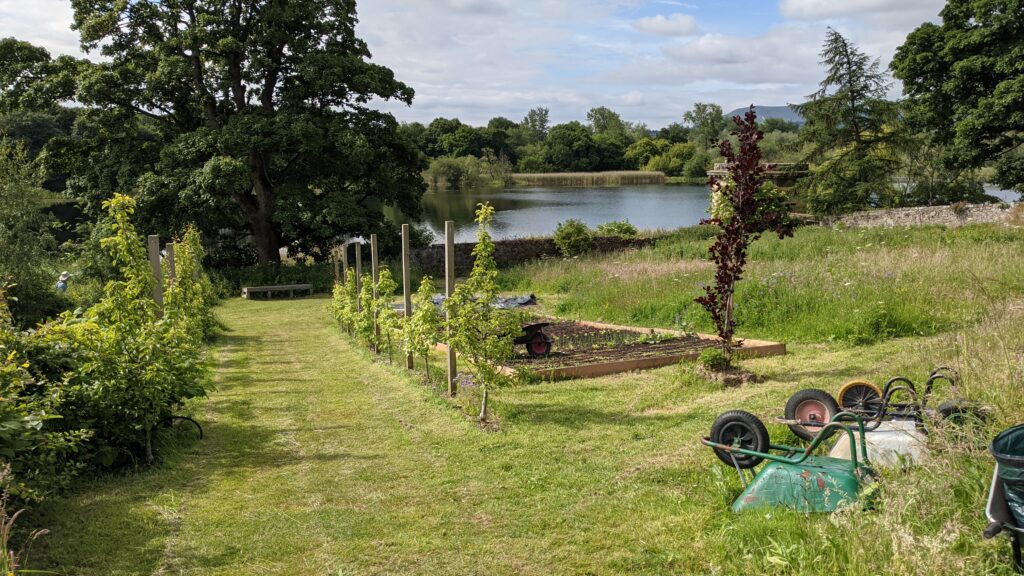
743 428
819 404
860 397
960 411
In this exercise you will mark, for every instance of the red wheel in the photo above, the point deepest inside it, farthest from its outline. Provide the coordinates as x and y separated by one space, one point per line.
811 406
539 345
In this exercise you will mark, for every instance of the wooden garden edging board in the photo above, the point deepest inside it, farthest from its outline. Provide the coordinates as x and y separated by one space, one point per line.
749 349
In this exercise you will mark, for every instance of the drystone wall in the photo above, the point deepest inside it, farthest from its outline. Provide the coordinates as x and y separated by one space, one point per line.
953 215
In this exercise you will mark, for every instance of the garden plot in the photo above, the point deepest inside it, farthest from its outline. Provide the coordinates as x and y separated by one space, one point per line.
590 349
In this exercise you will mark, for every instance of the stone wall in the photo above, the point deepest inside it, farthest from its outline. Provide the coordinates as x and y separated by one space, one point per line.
507 253
952 216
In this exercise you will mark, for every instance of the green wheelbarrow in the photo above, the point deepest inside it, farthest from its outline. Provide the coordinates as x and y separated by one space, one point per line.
793 478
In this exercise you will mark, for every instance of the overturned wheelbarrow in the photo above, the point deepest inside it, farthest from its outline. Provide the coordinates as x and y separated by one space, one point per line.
1005 509
536 341
793 478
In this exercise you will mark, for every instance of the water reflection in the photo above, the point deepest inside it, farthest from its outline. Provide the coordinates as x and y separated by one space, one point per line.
536 211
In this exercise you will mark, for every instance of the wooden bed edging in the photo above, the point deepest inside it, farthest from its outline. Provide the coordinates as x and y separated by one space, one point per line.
749 349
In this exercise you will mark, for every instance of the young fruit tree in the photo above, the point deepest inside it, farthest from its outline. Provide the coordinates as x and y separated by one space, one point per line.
479 332
421 331
744 205
388 320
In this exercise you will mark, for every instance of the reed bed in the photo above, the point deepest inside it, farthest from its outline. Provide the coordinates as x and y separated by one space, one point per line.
618 178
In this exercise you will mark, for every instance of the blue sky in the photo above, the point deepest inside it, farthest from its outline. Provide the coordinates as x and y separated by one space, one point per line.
649 60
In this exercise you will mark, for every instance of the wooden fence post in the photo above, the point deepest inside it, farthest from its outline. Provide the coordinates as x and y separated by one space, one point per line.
158 276
449 288
344 262
359 275
375 274
172 271
407 286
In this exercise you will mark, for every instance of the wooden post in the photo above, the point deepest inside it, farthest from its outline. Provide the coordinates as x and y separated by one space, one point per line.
158 276
344 262
359 275
407 285
449 288
375 274
172 272
334 260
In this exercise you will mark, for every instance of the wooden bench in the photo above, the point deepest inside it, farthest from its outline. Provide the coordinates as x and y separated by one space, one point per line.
291 289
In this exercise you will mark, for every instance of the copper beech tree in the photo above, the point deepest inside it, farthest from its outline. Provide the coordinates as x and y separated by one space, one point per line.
744 206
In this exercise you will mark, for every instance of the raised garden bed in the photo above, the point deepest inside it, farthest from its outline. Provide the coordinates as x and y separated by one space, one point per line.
590 349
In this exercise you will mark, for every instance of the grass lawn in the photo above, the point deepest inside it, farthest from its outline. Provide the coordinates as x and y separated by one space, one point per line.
321 459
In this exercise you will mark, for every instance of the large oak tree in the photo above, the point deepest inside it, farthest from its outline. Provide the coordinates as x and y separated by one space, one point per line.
239 112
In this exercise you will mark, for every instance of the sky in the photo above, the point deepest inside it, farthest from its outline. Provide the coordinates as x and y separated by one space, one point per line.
649 60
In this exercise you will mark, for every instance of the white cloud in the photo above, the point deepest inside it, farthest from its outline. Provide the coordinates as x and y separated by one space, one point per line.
884 13
673 25
45 23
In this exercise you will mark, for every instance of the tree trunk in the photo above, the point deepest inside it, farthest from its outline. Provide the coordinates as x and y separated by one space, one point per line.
260 213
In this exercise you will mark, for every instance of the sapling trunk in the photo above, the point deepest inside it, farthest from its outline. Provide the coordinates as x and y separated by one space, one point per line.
426 364
483 406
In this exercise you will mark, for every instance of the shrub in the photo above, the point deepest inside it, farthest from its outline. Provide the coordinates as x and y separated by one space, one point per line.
618 228
714 359
573 238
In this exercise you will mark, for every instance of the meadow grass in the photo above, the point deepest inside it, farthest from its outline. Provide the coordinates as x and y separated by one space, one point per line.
855 286
322 459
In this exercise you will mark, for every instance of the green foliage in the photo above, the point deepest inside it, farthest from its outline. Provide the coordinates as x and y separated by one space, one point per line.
421 332
91 388
479 332
714 359
962 81
26 260
132 367
698 165
618 228
364 325
639 153
573 238
676 160
706 123
345 302
850 130
389 323
456 174
246 118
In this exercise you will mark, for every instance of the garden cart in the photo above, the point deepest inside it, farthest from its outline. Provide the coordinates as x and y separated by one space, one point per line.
1005 508
536 341
793 478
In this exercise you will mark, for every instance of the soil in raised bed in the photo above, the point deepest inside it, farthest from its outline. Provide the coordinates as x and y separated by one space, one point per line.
577 344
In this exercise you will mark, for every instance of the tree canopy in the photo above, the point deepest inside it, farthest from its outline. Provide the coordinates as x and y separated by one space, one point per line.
964 80
231 113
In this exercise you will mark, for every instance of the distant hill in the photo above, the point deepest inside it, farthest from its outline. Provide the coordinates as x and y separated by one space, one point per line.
763 112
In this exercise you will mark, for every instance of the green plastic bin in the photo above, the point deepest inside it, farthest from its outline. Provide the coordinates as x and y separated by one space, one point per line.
1008 450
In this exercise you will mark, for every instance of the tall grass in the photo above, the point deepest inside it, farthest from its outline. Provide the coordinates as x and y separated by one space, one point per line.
855 286
619 178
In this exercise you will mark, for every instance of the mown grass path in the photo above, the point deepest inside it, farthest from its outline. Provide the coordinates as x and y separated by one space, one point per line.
321 460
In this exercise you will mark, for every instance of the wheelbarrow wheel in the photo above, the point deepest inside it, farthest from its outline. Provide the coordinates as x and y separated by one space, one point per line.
539 345
743 430
860 397
811 405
